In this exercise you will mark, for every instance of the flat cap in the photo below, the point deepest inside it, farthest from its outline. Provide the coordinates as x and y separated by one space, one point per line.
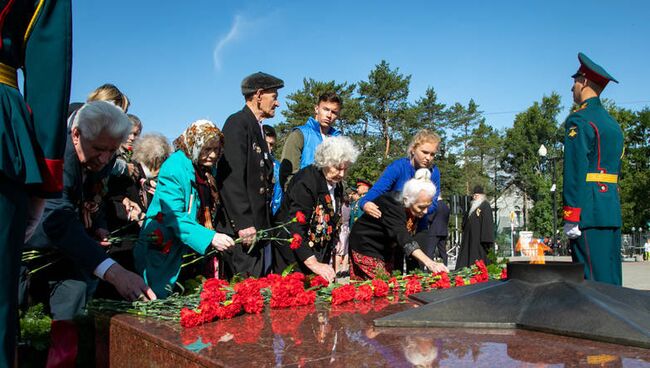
261 81
593 71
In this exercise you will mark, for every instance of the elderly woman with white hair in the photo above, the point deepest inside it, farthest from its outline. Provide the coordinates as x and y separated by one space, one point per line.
372 239
317 192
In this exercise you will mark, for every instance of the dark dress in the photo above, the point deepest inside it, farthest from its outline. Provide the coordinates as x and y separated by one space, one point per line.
438 232
308 192
374 241
245 183
478 236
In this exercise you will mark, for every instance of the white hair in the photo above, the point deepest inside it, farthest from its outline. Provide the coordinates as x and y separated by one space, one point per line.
334 151
414 354
421 182
96 117
151 150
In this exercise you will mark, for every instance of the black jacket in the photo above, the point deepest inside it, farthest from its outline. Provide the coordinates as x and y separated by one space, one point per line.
377 237
440 222
244 176
307 190
62 226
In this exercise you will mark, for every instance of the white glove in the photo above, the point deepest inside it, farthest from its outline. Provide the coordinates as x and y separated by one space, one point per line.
572 231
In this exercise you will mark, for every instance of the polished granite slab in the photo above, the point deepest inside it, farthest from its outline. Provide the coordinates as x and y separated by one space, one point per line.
345 337
551 297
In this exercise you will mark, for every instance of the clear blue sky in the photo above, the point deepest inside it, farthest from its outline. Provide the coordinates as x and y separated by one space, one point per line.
178 63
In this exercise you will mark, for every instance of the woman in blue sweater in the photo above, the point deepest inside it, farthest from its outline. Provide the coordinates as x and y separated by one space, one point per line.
421 151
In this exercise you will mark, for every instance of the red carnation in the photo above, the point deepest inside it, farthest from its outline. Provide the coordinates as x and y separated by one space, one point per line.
214 284
443 282
318 281
413 286
300 217
229 311
459 281
504 273
304 298
364 293
190 318
296 241
343 294
159 217
380 288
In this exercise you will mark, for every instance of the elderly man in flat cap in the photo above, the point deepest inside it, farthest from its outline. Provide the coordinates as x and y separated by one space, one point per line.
593 147
245 175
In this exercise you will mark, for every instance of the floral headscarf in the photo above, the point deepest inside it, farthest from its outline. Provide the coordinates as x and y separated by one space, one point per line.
191 142
195 137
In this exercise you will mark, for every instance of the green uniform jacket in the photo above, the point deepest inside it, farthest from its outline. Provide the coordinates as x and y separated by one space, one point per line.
171 229
35 36
593 147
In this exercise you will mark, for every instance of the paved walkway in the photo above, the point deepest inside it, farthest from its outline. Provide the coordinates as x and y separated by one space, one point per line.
636 275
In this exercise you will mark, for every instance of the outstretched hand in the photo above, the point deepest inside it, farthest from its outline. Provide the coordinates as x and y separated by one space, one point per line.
130 285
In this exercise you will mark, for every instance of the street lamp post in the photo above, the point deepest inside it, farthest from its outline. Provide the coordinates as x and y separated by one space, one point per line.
542 153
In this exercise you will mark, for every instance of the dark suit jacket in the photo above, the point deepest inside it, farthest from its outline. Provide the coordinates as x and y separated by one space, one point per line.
307 189
244 176
440 221
61 225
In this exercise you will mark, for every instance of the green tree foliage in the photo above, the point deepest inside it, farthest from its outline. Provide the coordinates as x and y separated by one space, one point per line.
635 172
384 100
536 126
462 121
429 114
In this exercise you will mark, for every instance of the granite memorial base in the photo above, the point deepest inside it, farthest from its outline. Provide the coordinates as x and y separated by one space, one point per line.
345 336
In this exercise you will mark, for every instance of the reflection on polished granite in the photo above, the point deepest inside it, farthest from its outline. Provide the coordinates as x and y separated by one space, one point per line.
345 337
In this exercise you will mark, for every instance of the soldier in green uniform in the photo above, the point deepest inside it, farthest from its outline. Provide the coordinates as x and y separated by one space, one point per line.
593 147
35 36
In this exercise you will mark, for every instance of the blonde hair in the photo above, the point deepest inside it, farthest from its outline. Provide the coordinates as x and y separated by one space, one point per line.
152 150
421 137
109 92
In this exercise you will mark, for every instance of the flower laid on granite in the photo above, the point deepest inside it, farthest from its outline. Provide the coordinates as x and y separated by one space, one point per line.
219 300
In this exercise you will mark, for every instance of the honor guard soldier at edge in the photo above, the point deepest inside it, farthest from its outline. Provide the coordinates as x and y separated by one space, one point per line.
593 148
35 37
